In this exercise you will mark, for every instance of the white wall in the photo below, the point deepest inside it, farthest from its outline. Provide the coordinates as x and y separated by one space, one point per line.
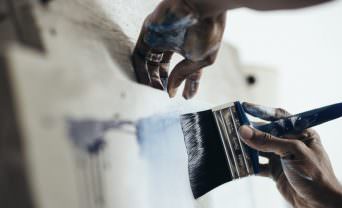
306 47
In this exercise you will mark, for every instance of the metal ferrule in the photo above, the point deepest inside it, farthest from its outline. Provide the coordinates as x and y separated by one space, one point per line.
238 159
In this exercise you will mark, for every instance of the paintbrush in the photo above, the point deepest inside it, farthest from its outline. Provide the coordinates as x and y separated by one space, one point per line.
217 155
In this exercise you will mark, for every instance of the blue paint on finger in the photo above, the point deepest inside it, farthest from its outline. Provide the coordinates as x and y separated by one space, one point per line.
171 22
299 122
265 113
169 34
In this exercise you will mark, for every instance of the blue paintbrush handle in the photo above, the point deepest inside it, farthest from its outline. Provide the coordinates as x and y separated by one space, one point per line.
299 122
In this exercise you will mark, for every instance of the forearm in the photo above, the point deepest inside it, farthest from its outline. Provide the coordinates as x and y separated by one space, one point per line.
214 7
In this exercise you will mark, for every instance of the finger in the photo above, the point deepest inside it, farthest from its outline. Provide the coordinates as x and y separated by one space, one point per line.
140 68
186 68
181 71
265 113
139 61
304 135
153 70
192 84
164 68
309 137
265 142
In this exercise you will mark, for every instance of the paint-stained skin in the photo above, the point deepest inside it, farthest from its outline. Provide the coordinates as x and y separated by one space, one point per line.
186 35
162 149
263 112
169 34
282 123
297 160
89 134
174 27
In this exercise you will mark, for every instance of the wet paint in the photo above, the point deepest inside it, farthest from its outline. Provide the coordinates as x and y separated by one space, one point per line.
295 123
169 33
162 147
88 134
263 112
164 82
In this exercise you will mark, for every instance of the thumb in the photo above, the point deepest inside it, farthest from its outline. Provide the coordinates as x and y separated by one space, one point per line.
265 142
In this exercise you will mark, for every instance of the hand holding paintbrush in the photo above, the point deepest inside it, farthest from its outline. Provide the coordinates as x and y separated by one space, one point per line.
298 162
217 150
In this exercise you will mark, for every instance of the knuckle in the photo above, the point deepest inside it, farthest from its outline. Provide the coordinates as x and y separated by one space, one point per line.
178 79
154 76
261 139
280 112
210 60
313 133
297 145
195 76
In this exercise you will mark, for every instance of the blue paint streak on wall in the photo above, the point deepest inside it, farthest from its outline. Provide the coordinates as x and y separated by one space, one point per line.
88 134
162 147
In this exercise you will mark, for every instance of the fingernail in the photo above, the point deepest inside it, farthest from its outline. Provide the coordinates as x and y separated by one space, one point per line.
246 132
157 84
172 93
188 95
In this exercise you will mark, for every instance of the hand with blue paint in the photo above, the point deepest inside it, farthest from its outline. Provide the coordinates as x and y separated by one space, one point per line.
297 163
193 29
176 27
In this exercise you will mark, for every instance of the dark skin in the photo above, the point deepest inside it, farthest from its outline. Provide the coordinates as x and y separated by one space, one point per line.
213 7
297 163
198 46
193 29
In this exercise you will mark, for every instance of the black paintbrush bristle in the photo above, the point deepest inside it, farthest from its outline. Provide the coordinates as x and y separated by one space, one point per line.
208 166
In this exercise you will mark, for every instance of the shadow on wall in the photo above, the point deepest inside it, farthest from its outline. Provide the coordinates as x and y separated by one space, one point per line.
111 34
91 15
120 49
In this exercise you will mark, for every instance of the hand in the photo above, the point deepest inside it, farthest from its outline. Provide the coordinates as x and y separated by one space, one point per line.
176 27
297 163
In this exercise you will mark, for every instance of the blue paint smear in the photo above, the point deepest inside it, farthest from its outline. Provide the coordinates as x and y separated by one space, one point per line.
171 22
299 122
171 40
158 129
168 34
162 148
88 134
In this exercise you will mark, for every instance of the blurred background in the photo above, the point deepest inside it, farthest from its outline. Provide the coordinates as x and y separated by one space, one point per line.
305 48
